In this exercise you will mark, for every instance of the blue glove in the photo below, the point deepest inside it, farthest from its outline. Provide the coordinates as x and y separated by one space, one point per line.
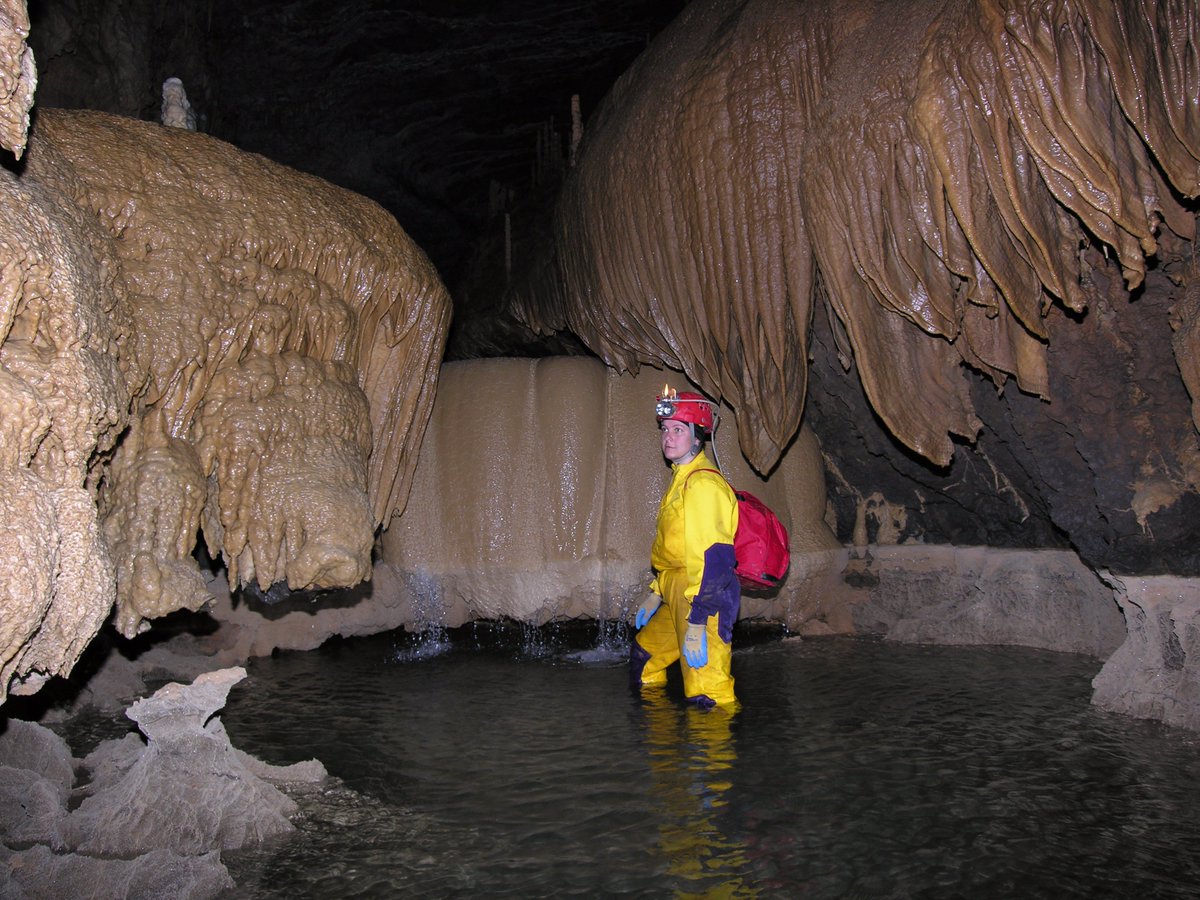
695 646
648 608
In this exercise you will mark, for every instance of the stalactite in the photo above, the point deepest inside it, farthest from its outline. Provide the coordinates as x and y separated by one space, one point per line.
576 128
929 179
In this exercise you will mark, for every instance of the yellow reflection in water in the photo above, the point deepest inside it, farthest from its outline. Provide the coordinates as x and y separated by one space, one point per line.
691 756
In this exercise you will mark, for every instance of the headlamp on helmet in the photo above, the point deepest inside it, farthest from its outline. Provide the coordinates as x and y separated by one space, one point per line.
684 406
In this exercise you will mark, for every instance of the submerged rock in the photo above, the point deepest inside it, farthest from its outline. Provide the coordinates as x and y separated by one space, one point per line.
40 874
36 775
187 791
155 814
978 595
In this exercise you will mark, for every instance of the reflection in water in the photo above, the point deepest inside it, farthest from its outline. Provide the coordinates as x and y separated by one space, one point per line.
692 753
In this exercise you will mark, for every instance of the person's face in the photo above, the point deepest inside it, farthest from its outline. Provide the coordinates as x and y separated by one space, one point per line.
676 441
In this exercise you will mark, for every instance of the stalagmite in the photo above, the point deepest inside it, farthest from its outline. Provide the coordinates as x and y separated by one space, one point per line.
176 112
576 129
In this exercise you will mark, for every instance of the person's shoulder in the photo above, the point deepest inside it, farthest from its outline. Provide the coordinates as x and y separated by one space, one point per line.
709 478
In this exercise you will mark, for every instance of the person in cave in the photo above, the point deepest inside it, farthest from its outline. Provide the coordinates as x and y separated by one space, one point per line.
694 596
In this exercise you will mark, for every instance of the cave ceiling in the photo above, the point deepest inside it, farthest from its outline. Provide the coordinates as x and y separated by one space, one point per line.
433 109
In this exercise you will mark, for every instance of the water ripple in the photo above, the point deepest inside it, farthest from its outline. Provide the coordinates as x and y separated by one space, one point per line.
856 769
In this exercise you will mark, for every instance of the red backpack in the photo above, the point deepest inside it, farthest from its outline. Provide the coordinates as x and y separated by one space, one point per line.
760 545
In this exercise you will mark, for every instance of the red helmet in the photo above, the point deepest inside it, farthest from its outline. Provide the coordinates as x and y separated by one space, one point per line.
684 406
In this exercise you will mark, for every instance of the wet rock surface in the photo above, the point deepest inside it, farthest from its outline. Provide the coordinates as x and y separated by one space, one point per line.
165 372
1155 673
1002 337
979 596
144 815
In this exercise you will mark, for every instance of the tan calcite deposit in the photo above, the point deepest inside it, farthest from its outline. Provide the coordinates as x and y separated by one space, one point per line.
18 76
63 403
538 486
193 340
926 180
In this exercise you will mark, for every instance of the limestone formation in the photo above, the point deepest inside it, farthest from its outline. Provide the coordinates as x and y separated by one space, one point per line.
150 815
64 401
176 111
184 790
194 340
18 76
1155 673
36 777
41 873
946 187
555 487
955 238
976 595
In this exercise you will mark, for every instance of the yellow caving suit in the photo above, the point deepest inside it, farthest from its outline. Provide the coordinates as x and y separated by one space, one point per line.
693 563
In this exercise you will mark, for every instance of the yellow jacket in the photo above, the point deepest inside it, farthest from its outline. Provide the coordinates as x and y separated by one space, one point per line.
697 520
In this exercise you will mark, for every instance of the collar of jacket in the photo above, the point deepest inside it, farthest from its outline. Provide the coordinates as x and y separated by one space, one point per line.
699 461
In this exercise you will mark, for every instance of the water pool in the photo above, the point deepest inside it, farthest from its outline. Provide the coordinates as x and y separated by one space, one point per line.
857 768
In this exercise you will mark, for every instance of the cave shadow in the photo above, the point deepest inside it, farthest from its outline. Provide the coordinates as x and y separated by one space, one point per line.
67 694
278 601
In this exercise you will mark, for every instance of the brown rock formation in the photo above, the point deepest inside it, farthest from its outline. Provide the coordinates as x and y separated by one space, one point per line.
939 171
270 340
64 402
947 187
535 498
18 76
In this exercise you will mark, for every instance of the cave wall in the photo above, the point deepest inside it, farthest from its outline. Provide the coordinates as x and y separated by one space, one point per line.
958 240
534 500
113 55
195 340
1107 465
538 487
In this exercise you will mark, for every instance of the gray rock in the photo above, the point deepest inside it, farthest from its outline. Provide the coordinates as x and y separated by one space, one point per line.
110 762
945 595
1155 674
40 874
32 809
28 745
188 791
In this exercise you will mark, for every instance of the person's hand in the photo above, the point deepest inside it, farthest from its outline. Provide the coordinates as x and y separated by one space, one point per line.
695 646
648 608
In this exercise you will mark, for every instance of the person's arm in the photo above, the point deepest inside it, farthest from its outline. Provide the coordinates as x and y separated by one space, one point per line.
710 519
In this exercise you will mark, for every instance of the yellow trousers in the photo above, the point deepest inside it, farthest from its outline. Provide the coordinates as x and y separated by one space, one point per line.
661 640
